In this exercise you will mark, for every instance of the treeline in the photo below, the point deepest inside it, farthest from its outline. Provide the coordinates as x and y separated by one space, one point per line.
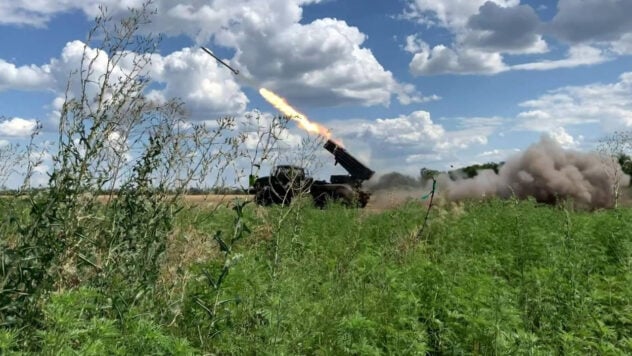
216 190
400 180
189 191
626 163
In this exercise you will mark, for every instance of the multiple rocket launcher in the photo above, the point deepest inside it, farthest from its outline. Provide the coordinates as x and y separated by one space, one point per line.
358 172
356 169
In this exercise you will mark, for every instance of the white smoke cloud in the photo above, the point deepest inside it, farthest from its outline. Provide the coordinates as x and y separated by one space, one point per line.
546 172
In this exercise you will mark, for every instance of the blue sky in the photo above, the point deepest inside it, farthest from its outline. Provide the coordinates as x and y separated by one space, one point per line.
404 83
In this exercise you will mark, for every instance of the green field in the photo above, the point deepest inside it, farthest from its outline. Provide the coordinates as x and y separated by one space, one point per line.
101 254
492 277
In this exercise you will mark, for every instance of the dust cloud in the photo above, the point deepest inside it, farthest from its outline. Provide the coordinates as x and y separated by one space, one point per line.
544 171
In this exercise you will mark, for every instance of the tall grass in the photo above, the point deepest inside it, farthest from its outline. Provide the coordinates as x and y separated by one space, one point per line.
496 277
493 277
111 137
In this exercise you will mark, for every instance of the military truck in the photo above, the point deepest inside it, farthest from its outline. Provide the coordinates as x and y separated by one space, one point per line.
284 183
287 182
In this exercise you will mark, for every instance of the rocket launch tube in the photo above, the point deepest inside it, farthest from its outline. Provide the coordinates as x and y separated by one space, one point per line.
348 162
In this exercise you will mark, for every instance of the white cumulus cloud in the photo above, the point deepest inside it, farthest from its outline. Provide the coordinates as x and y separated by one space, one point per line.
578 55
29 77
405 130
486 33
207 89
563 138
448 13
407 142
17 127
483 33
590 21
321 62
441 59
510 29
607 105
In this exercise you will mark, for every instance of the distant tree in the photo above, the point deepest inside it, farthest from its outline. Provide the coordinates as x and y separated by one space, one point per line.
426 174
615 154
395 180
472 170
10 157
196 191
625 161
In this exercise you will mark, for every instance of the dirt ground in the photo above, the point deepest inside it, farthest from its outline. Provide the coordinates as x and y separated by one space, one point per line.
213 199
378 202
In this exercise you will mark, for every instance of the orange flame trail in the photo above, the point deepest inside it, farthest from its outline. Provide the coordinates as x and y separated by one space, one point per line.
282 105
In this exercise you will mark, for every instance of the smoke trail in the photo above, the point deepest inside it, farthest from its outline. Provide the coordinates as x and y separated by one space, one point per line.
545 171
392 189
548 173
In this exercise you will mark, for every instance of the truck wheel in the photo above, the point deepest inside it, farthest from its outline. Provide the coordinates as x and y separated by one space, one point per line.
363 199
344 197
280 196
262 197
320 201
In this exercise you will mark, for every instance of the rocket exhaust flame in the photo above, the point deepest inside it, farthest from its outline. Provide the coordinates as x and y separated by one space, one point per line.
302 120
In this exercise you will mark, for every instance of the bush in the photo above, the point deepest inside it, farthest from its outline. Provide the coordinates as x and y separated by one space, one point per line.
77 322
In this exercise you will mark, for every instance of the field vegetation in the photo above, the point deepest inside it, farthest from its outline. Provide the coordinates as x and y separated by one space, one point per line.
143 271
493 277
